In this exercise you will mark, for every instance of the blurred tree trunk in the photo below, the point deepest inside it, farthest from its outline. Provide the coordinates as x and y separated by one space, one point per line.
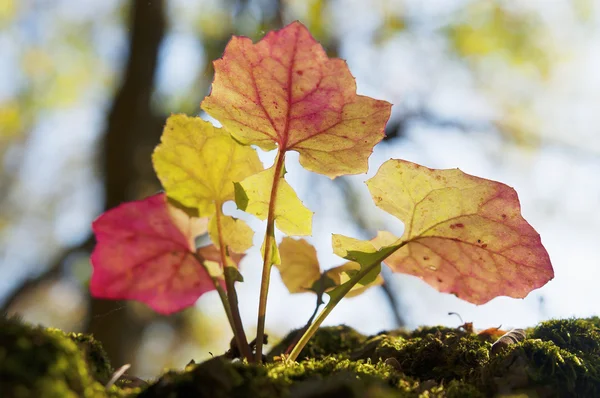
132 131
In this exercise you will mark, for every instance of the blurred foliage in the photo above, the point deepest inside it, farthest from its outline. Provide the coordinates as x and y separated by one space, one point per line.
497 38
584 9
8 9
491 29
315 15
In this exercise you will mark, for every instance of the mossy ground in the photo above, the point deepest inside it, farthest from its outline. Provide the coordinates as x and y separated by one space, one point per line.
45 362
559 358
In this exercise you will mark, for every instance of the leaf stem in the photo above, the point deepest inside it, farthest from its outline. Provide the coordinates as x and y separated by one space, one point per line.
220 290
237 326
223 297
301 332
340 293
268 257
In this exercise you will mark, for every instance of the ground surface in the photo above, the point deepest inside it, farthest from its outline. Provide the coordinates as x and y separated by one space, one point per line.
559 358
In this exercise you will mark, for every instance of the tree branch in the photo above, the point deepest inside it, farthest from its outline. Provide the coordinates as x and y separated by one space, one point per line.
132 131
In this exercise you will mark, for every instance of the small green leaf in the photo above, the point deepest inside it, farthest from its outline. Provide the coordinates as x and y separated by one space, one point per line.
342 275
362 251
322 284
241 198
234 273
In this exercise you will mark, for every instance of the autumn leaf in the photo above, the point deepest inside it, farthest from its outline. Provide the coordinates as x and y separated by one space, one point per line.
197 165
300 270
299 266
145 251
284 91
253 195
235 232
463 234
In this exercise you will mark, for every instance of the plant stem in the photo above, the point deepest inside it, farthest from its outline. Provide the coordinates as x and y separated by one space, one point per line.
301 332
222 294
237 326
267 260
223 297
340 294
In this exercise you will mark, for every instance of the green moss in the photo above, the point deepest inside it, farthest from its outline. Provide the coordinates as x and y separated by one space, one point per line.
559 359
327 377
93 352
461 389
216 378
446 355
329 340
311 368
594 320
377 348
345 384
436 331
38 362
546 366
579 335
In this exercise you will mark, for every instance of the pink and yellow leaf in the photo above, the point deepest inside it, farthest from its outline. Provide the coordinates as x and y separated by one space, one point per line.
463 234
284 91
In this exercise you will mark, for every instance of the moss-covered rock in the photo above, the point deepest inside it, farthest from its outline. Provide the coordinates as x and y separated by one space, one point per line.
582 335
38 362
328 340
551 370
559 358
448 356
216 378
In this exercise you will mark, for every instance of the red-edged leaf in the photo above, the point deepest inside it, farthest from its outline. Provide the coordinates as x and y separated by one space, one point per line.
145 252
284 91
464 235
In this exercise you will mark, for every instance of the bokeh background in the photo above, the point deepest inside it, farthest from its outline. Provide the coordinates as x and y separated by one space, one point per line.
507 90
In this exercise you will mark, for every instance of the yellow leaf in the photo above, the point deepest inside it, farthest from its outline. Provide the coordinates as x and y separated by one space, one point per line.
236 233
299 266
253 195
365 252
198 163
300 269
384 239
428 200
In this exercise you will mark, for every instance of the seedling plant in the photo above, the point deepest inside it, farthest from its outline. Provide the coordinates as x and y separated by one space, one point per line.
463 235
